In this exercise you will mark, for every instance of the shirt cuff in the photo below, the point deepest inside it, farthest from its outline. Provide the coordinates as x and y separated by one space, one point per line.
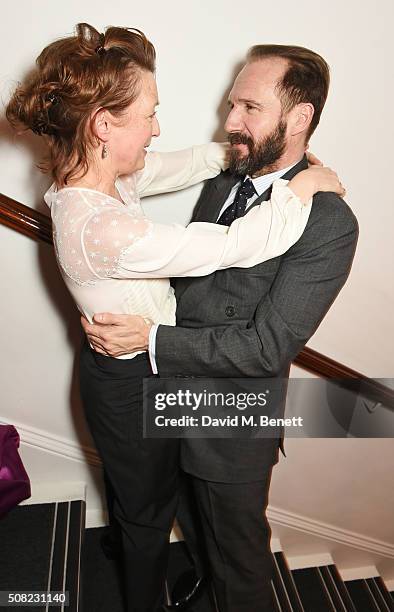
152 348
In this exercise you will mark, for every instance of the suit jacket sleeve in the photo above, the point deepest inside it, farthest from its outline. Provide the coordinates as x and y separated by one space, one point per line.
310 276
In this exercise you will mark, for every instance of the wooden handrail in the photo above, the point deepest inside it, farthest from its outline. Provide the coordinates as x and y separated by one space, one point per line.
25 220
37 226
320 365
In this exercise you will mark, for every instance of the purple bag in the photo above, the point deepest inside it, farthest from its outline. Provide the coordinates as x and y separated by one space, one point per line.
14 482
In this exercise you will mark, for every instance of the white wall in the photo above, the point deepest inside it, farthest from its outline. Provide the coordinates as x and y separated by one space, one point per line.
199 45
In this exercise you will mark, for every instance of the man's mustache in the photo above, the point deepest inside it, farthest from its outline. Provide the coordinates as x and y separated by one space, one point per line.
238 138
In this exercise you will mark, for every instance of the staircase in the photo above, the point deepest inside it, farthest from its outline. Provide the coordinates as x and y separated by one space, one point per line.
45 547
321 589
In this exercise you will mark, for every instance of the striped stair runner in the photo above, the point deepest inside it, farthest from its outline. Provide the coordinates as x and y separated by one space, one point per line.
41 550
370 595
321 589
286 596
41 546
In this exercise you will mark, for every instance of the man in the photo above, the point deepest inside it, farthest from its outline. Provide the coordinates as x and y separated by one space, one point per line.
249 322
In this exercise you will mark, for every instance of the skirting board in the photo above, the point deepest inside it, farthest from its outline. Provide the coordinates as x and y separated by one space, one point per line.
49 492
356 573
48 442
329 532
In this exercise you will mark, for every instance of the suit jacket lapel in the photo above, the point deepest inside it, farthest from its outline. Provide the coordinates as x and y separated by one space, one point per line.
219 190
214 197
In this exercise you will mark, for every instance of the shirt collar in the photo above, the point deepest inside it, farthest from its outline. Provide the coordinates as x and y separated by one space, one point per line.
262 183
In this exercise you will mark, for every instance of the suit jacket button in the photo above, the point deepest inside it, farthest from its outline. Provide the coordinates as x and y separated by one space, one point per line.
230 311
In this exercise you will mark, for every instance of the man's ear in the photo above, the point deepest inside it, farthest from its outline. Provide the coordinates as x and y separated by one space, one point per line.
300 118
101 124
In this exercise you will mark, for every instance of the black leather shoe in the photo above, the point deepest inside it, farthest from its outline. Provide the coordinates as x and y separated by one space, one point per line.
187 590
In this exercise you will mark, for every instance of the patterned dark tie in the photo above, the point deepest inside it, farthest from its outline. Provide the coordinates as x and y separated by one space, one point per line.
237 209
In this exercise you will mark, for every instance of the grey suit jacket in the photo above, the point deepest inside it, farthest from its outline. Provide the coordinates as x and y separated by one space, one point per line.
253 322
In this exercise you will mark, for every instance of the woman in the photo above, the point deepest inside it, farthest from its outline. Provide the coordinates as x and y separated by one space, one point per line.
93 98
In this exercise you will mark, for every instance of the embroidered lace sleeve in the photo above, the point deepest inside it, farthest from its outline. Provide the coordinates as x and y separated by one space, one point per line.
107 234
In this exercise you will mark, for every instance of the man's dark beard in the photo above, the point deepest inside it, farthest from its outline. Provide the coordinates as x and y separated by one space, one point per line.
263 155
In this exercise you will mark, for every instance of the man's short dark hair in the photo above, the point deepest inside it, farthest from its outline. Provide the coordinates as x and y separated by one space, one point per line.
306 79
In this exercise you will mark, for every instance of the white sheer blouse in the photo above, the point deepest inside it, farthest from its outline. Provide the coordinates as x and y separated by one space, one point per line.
114 259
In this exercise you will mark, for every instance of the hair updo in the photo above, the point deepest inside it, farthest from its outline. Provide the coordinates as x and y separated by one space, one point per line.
73 77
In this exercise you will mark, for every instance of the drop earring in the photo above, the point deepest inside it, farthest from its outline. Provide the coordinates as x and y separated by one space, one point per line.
104 151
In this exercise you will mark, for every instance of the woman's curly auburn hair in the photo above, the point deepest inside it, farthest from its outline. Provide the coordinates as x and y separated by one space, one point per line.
75 76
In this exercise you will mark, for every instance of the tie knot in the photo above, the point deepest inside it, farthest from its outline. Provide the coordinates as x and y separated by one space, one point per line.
247 188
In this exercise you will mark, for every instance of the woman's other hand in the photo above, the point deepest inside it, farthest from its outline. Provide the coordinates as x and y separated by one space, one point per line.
314 179
312 159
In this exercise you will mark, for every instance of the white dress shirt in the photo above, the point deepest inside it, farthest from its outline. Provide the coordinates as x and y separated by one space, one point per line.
261 184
